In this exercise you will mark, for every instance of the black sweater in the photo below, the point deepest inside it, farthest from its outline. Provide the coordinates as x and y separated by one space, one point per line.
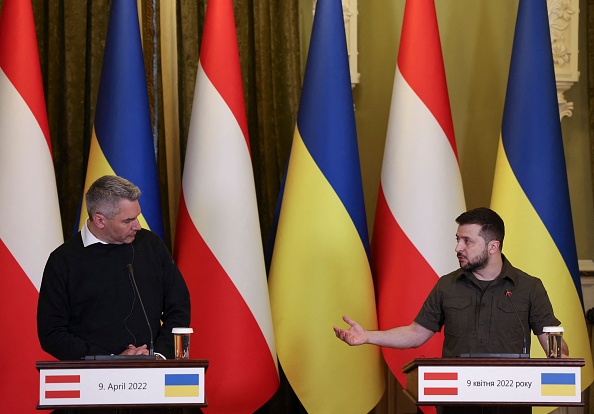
87 304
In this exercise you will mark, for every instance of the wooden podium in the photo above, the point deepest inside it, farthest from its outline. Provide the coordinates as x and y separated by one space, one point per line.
514 382
121 383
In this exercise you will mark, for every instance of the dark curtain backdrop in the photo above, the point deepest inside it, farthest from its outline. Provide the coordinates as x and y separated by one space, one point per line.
590 75
71 37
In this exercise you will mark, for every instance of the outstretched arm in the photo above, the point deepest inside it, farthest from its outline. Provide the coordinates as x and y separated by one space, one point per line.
401 337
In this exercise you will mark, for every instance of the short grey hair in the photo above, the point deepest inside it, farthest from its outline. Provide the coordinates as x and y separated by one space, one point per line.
106 193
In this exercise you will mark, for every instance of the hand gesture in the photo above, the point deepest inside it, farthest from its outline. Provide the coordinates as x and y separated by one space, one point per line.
355 335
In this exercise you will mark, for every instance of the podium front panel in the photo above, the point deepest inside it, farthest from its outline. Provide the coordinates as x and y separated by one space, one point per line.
151 384
539 385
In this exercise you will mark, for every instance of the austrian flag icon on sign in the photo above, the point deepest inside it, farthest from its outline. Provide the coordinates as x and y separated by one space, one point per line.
62 386
441 383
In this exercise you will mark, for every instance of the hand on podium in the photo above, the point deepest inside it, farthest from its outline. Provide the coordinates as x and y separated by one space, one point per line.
132 350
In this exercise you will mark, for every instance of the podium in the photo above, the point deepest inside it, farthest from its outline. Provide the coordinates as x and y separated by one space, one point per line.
517 383
121 383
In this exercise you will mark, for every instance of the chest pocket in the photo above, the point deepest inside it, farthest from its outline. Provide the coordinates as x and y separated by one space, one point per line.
507 325
457 312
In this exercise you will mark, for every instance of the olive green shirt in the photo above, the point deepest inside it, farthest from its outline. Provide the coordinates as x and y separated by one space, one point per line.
481 321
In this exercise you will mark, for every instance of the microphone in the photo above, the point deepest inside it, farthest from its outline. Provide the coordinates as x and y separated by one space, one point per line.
524 354
131 274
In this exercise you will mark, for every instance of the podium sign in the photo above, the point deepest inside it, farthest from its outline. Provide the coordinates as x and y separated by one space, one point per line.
537 382
499 384
120 384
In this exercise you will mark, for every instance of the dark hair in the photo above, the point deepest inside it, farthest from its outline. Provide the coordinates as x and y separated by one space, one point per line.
492 226
105 194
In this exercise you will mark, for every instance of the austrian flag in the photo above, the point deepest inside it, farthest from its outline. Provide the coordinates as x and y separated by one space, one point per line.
440 383
62 386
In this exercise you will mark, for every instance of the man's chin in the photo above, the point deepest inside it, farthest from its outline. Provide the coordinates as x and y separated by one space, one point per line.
466 266
129 239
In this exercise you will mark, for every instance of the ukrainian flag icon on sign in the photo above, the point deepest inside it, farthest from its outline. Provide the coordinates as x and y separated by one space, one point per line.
182 385
557 384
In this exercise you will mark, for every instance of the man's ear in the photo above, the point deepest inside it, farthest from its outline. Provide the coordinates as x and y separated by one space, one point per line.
99 220
494 246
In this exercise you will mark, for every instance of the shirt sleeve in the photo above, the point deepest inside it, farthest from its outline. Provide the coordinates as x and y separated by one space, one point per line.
431 315
541 309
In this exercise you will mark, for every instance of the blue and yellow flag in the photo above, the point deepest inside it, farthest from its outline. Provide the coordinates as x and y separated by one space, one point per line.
182 385
122 141
530 189
320 265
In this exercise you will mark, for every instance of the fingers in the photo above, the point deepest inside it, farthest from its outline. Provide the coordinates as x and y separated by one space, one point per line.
348 320
339 333
141 350
133 350
343 335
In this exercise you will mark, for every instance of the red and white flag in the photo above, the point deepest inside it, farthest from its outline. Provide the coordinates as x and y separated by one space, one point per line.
421 190
62 387
440 383
218 245
30 225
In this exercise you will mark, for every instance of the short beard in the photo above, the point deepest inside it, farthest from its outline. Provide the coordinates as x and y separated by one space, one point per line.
479 264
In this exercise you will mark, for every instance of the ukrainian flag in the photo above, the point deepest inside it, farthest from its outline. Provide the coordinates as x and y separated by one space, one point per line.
320 266
182 385
122 140
557 384
530 189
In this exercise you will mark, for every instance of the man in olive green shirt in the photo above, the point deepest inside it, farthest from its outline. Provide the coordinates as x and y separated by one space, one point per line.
476 303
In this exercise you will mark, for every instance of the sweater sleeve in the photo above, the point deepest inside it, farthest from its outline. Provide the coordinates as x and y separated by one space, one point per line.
53 315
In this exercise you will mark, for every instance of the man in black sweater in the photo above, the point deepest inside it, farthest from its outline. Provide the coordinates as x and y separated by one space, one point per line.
88 304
